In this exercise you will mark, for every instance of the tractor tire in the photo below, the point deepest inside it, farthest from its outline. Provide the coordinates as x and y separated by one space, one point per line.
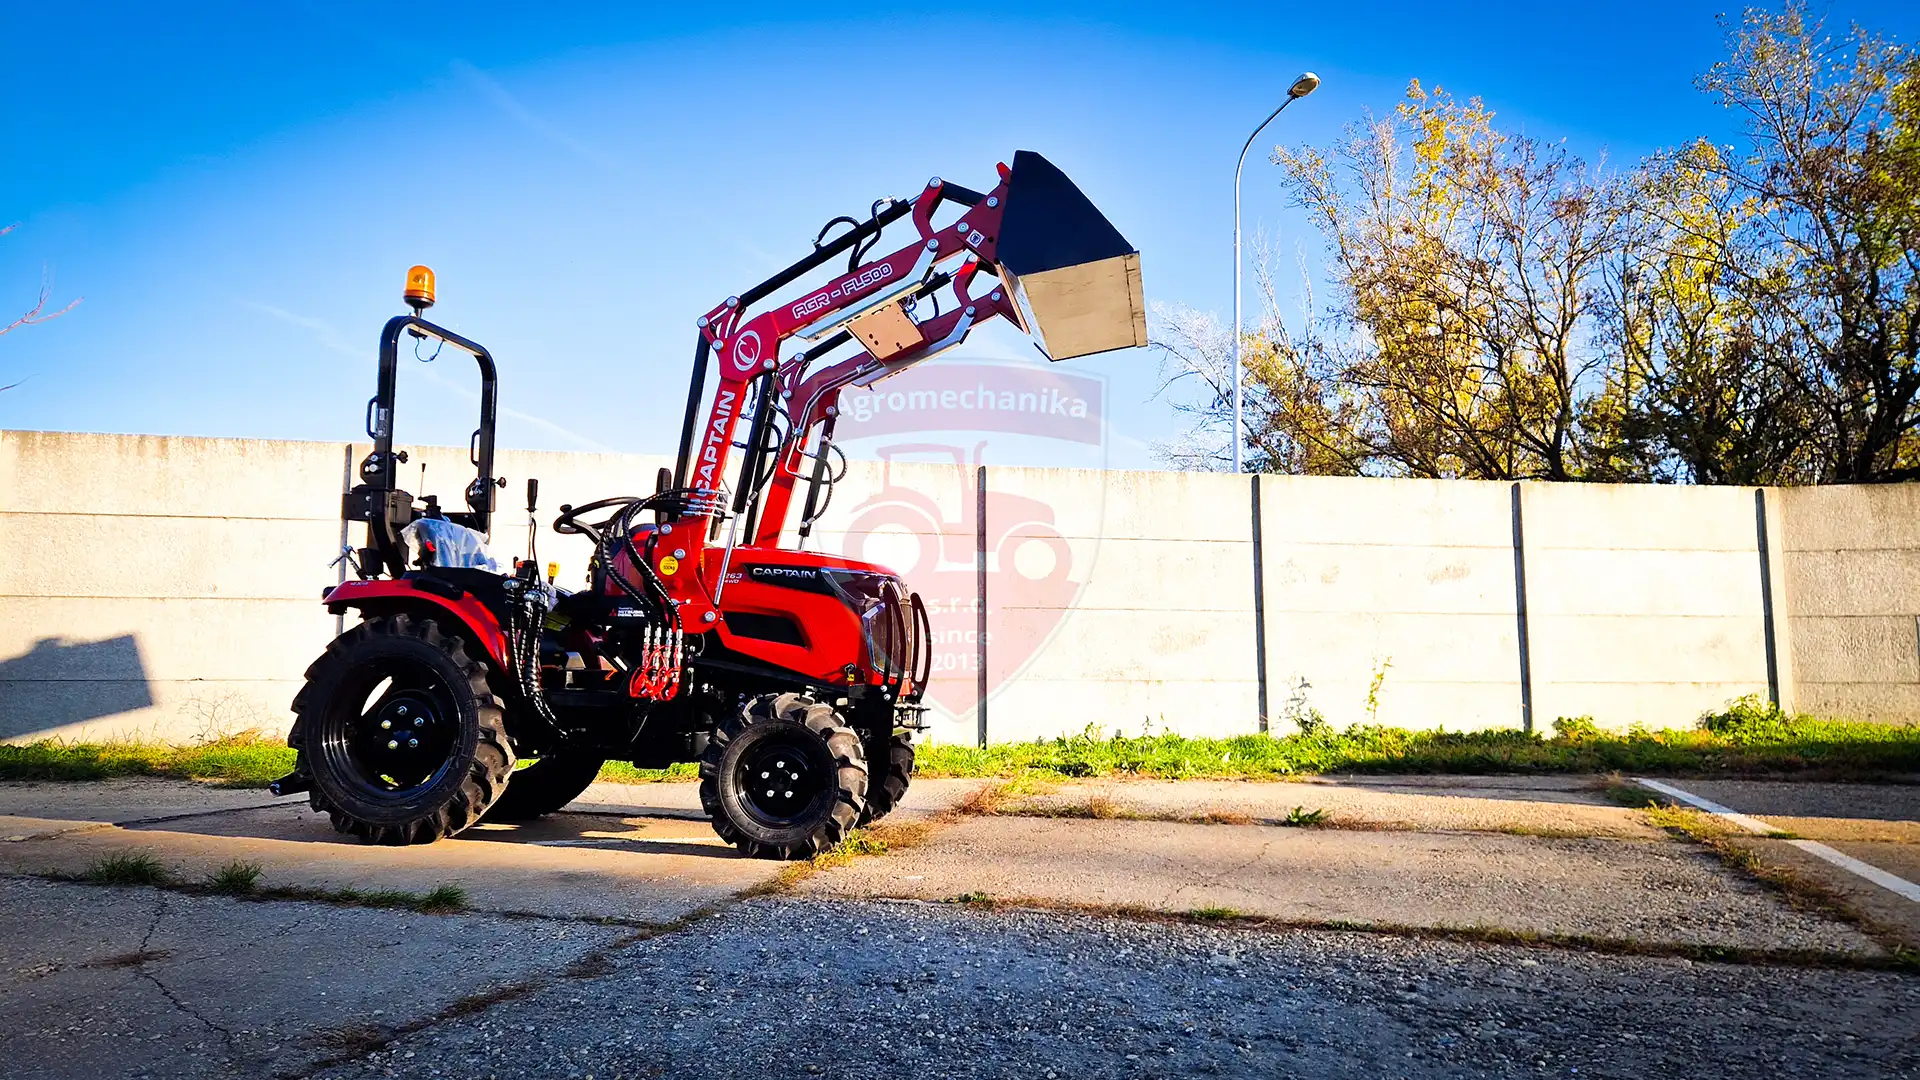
425 758
885 793
784 777
545 786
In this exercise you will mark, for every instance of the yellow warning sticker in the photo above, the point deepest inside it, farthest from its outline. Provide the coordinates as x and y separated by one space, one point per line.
669 566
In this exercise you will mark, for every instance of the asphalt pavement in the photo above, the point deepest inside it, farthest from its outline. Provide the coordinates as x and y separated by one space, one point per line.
1185 931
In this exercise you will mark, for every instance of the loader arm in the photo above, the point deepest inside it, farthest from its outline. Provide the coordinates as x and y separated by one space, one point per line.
1065 276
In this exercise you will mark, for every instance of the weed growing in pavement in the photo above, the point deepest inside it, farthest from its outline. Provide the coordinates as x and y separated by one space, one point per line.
1373 690
441 900
1302 818
235 879
1214 914
131 868
973 899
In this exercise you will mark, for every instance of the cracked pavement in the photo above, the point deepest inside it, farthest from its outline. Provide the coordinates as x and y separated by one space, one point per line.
109 982
692 980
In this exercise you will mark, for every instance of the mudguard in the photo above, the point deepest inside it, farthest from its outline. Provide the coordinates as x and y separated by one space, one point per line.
386 594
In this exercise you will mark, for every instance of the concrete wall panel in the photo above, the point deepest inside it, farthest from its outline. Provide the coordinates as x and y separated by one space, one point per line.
1861 649
1404 579
1638 517
1046 708
1612 581
167 638
1323 647
1368 511
168 710
152 583
1410 581
46 472
98 555
1851 558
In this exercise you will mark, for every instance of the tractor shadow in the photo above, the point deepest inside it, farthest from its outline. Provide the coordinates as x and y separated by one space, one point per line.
636 830
60 682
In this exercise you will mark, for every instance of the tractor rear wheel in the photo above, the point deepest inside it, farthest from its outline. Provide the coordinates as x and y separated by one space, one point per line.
784 777
545 785
401 733
889 787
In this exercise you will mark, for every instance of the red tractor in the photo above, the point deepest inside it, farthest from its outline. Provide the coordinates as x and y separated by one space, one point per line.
469 691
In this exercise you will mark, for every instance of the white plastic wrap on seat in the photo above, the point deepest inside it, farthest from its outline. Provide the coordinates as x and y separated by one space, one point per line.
453 545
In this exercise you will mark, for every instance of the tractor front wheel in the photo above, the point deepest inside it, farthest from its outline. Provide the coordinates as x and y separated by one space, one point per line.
400 732
888 788
784 777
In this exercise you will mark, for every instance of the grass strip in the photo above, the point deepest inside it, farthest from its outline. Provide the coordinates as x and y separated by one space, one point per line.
1748 738
242 880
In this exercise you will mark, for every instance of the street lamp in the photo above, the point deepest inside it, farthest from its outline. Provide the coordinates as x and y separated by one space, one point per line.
1301 87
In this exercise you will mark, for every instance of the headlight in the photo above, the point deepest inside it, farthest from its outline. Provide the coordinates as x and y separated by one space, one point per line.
877 601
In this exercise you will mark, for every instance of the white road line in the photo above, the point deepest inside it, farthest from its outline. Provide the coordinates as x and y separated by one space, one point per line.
1844 861
1752 825
1891 882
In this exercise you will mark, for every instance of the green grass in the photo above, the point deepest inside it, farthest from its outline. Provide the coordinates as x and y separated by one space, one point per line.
235 879
132 868
246 760
1748 738
621 772
1302 818
442 900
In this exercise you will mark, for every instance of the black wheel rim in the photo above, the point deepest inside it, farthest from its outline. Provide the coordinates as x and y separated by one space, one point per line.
783 777
399 742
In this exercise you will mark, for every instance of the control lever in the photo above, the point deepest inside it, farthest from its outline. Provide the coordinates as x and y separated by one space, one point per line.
533 526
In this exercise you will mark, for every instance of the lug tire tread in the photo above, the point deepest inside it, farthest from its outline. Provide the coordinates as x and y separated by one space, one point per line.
487 773
843 743
884 796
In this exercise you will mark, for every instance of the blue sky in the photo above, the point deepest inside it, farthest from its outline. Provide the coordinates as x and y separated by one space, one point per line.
237 191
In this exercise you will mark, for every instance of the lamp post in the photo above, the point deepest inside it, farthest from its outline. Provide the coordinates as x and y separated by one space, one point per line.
1301 87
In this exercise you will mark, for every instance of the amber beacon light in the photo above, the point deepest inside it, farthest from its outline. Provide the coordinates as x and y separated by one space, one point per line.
419 294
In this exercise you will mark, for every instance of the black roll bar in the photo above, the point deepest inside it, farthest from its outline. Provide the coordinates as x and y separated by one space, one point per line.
379 469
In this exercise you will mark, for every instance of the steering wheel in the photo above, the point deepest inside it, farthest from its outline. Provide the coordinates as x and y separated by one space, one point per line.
569 523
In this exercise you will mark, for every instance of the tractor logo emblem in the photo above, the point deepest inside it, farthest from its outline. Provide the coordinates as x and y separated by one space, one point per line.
925 520
746 352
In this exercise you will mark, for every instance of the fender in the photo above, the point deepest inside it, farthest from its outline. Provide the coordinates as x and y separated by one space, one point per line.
471 613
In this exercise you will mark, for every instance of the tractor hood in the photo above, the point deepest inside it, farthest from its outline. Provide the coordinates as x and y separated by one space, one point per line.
1074 278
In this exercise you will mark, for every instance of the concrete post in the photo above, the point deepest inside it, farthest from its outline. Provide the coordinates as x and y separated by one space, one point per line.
1520 614
980 598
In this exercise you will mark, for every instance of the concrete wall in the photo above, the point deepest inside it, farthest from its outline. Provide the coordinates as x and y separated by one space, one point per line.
168 587
1850 574
1644 601
1407 581
160 586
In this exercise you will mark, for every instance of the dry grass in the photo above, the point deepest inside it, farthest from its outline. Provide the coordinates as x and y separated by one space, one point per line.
1897 960
1800 891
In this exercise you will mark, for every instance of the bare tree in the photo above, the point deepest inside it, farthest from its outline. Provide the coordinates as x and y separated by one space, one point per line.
38 313
1463 263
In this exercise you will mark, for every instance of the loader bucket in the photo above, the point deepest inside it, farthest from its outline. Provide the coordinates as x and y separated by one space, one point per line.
1075 279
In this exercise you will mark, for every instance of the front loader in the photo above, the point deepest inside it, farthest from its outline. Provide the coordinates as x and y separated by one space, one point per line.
472 691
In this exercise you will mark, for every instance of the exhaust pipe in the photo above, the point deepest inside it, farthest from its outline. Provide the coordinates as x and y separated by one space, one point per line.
1073 277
